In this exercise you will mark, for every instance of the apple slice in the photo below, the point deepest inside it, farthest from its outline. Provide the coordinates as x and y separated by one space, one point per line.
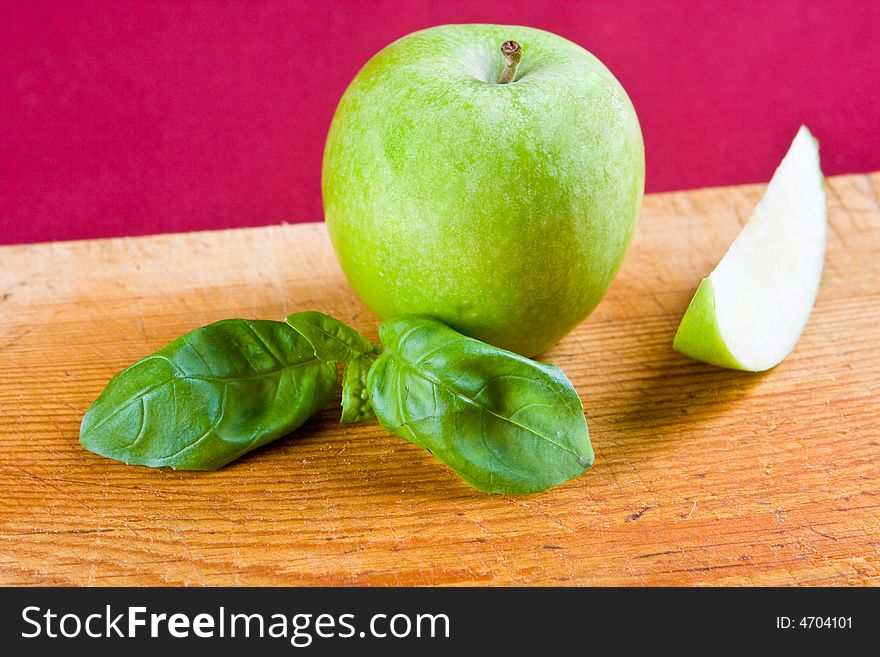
749 313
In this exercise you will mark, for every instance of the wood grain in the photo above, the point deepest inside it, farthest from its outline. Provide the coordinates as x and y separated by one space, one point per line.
702 475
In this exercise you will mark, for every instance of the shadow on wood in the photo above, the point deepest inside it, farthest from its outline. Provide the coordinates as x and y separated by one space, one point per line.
679 399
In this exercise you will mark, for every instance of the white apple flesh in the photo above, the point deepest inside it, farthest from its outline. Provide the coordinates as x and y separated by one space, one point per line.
751 310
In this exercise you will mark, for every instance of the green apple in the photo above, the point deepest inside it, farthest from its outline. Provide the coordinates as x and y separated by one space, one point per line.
749 313
494 190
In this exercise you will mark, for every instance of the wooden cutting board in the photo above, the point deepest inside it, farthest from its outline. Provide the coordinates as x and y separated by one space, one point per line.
702 475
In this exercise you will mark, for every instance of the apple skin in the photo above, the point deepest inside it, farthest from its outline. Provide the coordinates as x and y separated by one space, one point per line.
503 210
699 336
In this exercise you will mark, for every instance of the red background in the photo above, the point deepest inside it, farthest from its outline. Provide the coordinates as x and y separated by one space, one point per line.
132 117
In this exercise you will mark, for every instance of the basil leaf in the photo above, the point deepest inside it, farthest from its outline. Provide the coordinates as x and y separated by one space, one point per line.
331 339
356 406
209 397
502 422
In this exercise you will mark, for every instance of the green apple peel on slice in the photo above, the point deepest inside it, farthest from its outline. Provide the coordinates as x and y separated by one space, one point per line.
749 313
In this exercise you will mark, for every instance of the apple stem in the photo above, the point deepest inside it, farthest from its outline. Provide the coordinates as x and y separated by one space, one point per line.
512 52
